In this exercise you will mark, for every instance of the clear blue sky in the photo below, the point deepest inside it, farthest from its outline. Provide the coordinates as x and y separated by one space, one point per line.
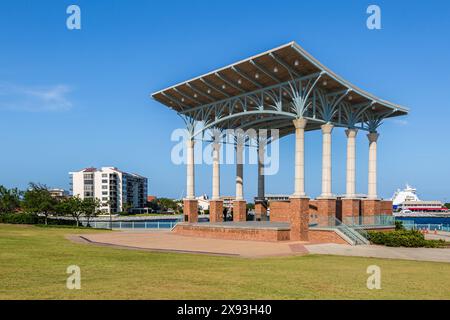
72 99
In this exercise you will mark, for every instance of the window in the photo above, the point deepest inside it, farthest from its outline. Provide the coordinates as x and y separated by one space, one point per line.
104 181
105 198
104 175
105 193
104 187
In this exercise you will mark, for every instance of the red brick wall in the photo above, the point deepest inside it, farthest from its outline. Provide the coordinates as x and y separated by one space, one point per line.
326 207
279 211
232 234
299 219
386 207
239 211
371 207
190 210
350 208
325 236
215 211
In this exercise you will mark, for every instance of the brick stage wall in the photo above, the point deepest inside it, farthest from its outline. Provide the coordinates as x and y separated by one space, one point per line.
325 236
279 211
386 207
232 234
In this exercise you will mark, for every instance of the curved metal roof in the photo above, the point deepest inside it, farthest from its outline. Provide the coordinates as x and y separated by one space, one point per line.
271 69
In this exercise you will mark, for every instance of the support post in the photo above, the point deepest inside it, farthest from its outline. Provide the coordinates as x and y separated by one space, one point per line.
216 172
350 206
326 203
300 125
216 205
190 179
351 163
372 205
190 204
326 161
372 187
239 205
299 202
260 203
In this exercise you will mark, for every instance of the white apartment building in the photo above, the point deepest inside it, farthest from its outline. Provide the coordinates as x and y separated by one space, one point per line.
117 190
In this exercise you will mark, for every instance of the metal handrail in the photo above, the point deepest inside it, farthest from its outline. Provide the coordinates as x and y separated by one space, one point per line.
134 225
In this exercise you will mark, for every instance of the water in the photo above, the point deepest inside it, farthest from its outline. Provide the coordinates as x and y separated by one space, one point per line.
426 220
143 224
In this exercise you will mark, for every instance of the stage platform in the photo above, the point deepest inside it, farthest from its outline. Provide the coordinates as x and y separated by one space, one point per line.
249 230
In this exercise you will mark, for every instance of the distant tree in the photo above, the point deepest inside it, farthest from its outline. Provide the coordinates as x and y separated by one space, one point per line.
37 199
9 199
154 205
126 207
90 208
165 204
447 205
71 207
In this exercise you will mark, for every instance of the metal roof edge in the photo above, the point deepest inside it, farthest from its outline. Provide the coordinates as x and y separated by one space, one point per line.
344 82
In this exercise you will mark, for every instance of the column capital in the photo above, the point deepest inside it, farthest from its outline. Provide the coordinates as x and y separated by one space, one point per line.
351 132
239 137
327 128
300 123
373 136
216 146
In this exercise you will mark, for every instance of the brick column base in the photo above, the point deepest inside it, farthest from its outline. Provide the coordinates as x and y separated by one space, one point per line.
326 207
190 210
350 210
386 207
260 212
215 211
299 218
239 210
370 207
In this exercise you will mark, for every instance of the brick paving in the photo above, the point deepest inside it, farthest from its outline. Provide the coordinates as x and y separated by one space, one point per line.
167 241
170 242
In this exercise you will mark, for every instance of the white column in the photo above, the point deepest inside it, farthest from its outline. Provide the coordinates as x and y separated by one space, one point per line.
216 172
326 160
300 125
372 188
239 170
261 182
351 163
190 188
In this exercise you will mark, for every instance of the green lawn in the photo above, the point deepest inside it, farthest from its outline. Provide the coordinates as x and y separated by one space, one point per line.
33 264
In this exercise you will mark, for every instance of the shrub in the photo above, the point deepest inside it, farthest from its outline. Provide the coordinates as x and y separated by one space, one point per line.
404 238
19 218
32 218
399 225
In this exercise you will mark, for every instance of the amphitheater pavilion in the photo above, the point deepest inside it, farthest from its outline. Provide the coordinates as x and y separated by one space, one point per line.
289 90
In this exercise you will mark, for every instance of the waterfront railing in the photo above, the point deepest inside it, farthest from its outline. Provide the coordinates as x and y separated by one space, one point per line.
133 225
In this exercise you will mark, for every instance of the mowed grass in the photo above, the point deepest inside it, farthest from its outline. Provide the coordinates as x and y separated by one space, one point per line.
33 263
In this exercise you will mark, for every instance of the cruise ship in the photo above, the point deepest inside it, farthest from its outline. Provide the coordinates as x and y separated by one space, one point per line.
406 203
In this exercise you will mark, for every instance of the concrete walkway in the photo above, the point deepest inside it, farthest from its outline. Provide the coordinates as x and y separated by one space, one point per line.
169 242
440 235
418 254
